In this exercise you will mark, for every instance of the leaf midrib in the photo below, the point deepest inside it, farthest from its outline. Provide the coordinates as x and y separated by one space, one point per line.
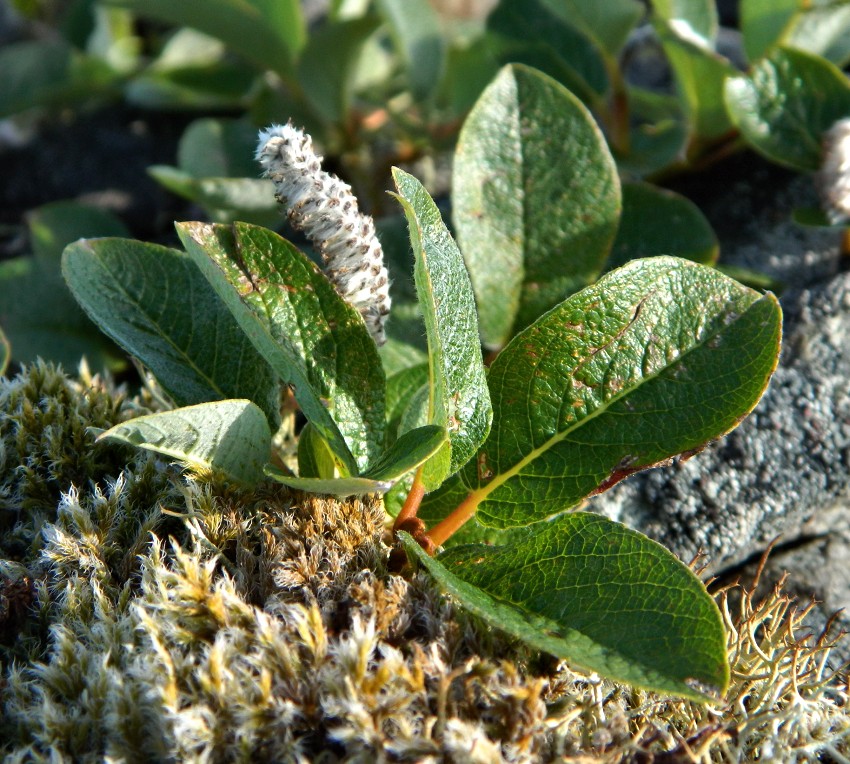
503 477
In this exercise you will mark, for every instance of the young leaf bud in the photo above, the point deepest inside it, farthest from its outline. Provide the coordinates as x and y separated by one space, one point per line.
322 207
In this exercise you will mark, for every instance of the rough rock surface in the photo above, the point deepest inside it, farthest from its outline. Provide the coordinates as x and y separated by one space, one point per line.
784 474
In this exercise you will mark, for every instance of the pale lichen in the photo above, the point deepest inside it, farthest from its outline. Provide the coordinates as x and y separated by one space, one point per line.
198 622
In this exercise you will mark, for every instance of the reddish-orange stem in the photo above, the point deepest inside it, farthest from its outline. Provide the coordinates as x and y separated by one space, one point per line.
413 500
451 524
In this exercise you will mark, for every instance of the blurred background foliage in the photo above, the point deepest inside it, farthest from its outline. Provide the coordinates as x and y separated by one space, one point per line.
379 83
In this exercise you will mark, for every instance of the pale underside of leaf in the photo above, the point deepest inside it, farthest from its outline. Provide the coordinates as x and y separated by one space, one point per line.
231 436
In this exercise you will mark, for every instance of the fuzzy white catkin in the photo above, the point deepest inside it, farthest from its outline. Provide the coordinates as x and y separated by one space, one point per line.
833 178
323 208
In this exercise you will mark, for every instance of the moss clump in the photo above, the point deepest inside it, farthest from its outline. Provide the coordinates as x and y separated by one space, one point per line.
174 618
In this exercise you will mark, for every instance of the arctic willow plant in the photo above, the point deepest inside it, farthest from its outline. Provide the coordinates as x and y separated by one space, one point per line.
591 381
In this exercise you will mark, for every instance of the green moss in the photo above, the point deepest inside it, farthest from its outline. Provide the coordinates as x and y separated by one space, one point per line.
166 617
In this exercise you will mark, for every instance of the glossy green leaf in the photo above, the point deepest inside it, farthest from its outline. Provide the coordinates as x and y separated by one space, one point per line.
599 595
459 401
534 35
660 222
536 199
314 340
269 33
656 359
156 304
786 104
763 23
416 29
410 451
328 65
700 76
398 354
694 20
752 278
231 437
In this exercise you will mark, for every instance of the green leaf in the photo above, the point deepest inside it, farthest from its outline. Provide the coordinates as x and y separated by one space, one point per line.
656 359
700 76
327 68
469 69
193 71
786 104
154 302
231 437
658 133
815 217
823 29
54 226
225 200
459 401
269 33
536 199
534 35
752 278
401 387
37 311
439 504
416 29
315 341
406 344
694 20
218 148
763 23
34 72
315 458
660 222
342 487
609 22
410 451
397 354
599 595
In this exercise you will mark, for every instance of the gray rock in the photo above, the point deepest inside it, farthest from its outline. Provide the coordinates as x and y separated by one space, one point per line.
784 471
